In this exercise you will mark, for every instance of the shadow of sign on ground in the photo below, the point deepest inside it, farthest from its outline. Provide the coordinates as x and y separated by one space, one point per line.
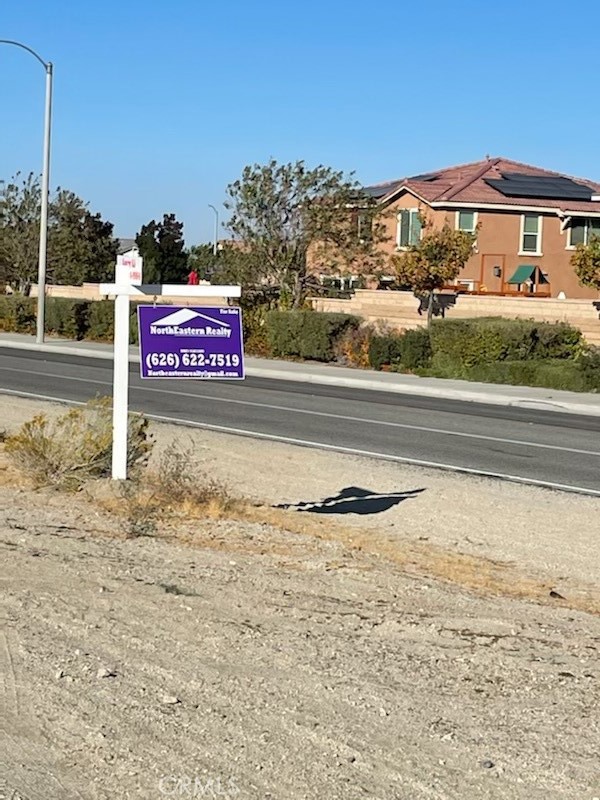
353 500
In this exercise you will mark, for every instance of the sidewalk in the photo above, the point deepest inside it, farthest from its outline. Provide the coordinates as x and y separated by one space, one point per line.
327 374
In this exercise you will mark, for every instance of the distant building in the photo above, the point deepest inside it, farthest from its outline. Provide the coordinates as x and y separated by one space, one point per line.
125 246
530 221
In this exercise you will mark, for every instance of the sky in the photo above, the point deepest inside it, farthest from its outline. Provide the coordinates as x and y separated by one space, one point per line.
159 106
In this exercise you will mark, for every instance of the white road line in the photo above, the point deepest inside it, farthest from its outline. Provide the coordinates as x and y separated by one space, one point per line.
345 418
565 487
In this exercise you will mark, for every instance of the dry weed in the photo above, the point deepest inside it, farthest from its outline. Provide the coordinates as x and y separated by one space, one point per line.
179 482
174 488
75 447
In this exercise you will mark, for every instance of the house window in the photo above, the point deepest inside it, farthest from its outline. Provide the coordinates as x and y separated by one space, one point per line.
582 230
466 221
409 227
531 233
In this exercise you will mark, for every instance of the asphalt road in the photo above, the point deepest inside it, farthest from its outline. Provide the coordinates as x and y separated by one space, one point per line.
549 448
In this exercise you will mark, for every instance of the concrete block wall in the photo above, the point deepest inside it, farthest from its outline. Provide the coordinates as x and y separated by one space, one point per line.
399 309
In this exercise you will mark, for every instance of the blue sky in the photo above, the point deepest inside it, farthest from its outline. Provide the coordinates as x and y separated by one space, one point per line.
159 106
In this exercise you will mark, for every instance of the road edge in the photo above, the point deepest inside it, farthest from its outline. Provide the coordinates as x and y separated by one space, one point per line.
272 373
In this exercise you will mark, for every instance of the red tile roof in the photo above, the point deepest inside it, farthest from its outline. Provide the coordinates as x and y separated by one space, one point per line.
466 183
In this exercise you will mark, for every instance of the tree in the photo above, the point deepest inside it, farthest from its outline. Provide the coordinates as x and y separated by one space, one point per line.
280 211
434 261
202 260
586 261
162 247
81 246
20 231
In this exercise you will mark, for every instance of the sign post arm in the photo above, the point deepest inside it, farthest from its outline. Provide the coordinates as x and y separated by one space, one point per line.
120 387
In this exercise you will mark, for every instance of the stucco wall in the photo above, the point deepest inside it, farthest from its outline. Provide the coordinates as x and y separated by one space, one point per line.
498 245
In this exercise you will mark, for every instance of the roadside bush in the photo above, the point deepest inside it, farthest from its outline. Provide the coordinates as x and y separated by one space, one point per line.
385 350
352 348
101 321
18 314
8 320
75 447
68 318
468 342
178 479
415 349
174 485
409 350
254 326
550 374
307 334
589 366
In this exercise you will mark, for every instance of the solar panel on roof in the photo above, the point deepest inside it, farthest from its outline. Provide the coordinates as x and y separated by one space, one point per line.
376 191
429 176
515 184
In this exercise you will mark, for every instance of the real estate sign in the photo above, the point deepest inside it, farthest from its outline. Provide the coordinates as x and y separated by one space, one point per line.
191 342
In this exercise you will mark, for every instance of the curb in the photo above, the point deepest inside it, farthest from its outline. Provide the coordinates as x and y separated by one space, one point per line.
463 395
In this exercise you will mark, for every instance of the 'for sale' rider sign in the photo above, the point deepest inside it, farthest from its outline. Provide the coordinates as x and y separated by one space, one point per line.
191 342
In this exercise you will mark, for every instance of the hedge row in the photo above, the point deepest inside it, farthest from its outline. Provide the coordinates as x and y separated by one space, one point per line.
493 350
519 352
71 319
469 342
307 334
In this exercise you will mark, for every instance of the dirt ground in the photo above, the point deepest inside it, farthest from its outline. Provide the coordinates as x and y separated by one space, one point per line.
418 635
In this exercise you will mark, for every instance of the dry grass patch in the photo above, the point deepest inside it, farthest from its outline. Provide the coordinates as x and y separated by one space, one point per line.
476 573
10 475
175 488
75 447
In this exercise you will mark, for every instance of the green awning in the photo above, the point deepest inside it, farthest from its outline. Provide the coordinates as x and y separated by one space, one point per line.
523 273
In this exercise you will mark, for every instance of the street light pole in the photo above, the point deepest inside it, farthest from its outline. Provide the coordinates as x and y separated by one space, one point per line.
216 236
43 248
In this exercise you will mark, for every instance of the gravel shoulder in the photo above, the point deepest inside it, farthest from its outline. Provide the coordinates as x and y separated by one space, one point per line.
398 640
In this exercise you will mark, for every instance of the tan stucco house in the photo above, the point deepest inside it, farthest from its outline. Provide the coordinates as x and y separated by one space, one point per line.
528 222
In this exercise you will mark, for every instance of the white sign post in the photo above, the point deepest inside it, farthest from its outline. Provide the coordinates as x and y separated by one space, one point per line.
122 292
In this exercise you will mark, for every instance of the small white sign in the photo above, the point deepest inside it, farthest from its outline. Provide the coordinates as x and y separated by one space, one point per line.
129 269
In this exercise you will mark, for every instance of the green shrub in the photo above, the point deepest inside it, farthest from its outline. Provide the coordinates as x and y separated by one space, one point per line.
101 321
307 334
385 350
254 326
25 313
68 318
133 324
589 366
410 350
468 342
550 374
415 349
8 317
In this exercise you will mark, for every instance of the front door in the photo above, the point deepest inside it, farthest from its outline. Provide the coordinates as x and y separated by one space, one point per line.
492 273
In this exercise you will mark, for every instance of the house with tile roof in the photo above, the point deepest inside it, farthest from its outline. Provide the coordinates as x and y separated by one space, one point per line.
528 222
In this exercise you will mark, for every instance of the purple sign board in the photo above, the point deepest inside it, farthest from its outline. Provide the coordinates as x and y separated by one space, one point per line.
191 342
